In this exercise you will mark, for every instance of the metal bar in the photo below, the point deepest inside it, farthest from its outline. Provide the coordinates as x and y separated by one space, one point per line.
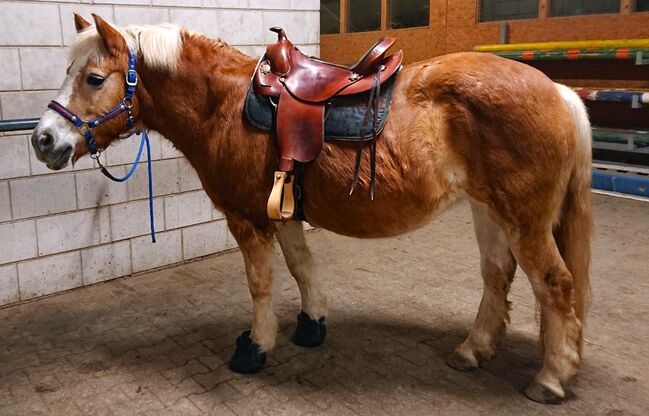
18 124
504 32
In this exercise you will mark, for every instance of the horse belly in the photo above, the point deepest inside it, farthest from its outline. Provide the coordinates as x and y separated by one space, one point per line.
402 202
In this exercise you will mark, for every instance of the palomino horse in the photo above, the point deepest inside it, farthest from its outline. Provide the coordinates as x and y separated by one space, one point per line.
463 124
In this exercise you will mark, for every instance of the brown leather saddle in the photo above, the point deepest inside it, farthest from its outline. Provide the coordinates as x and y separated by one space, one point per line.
303 87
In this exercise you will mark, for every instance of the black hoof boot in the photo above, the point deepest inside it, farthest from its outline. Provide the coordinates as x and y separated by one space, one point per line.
309 332
247 358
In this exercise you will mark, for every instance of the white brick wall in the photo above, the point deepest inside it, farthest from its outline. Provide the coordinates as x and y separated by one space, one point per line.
61 230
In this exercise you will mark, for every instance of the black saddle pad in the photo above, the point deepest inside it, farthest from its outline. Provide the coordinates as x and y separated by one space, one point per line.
343 117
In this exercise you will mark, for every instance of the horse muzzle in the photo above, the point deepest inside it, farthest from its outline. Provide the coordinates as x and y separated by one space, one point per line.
54 153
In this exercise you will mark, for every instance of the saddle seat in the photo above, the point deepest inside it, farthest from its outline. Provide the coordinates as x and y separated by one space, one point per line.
302 87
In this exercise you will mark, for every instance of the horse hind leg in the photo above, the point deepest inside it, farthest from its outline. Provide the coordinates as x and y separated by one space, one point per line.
256 245
498 268
561 330
311 329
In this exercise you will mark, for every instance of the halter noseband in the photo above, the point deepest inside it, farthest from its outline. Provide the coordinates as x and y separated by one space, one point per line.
126 105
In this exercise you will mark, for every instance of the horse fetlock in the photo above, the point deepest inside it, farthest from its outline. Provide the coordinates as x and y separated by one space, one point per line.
463 358
315 305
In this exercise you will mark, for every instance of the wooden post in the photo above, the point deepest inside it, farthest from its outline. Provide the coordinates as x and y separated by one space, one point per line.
384 15
544 9
344 9
627 6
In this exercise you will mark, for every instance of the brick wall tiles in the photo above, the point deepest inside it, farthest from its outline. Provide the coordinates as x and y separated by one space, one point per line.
39 22
49 275
14 158
187 209
132 219
94 189
8 284
167 250
140 15
204 239
10 70
25 104
37 76
199 20
123 152
166 179
5 202
106 262
69 231
34 196
17 241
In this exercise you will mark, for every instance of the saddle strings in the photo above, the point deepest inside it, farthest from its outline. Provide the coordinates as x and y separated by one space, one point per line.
372 107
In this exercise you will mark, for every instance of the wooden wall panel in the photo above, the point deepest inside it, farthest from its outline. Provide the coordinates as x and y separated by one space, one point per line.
454 28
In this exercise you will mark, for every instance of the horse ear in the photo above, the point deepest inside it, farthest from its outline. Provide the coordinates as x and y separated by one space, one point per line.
112 39
80 23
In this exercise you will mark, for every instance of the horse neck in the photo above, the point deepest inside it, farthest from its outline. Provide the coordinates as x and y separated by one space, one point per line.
191 105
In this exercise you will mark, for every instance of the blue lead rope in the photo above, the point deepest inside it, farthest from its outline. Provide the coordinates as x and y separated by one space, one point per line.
145 140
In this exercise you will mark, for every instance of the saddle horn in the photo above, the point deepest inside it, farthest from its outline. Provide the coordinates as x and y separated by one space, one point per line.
281 35
277 54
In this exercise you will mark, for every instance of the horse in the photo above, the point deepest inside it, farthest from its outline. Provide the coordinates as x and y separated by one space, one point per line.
461 125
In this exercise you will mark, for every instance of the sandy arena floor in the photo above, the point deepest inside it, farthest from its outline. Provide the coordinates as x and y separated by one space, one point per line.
158 343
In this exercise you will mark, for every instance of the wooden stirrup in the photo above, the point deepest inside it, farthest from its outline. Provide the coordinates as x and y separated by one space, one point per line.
281 203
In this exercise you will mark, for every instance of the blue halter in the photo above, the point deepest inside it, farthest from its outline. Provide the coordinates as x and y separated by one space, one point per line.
125 106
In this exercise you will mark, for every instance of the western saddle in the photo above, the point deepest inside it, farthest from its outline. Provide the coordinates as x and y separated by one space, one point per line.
303 87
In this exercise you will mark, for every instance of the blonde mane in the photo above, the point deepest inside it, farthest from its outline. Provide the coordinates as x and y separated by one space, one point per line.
159 45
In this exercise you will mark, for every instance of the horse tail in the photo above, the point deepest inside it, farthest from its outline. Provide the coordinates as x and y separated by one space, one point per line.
573 234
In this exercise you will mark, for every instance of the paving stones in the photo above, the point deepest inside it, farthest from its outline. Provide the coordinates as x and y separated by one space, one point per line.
159 343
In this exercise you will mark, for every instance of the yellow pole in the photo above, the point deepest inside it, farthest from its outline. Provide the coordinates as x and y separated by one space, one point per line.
583 44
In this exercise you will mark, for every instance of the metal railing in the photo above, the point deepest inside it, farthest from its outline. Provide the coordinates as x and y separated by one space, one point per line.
18 124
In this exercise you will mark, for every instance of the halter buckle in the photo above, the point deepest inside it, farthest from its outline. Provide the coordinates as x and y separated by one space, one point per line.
84 128
131 78
128 103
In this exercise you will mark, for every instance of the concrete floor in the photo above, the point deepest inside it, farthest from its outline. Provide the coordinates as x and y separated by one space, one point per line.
158 343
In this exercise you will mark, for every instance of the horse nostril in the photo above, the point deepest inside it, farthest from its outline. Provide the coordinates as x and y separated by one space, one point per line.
45 142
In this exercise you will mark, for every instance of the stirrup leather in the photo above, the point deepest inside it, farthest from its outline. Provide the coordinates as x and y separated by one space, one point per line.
281 203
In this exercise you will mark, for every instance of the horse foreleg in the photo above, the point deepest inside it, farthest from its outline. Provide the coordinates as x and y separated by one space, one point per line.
310 330
561 330
256 245
498 268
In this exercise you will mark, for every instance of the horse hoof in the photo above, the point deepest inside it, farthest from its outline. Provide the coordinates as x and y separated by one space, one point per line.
458 362
309 332
247 358
542 394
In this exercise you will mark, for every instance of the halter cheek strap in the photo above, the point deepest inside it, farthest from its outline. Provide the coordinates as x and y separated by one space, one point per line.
85 127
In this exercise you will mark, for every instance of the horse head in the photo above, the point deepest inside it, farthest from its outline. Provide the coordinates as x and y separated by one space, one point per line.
94 86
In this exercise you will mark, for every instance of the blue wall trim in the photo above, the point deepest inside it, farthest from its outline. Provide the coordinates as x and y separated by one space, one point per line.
619 182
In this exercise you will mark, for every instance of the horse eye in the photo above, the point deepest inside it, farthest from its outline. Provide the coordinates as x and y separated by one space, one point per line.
95 80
